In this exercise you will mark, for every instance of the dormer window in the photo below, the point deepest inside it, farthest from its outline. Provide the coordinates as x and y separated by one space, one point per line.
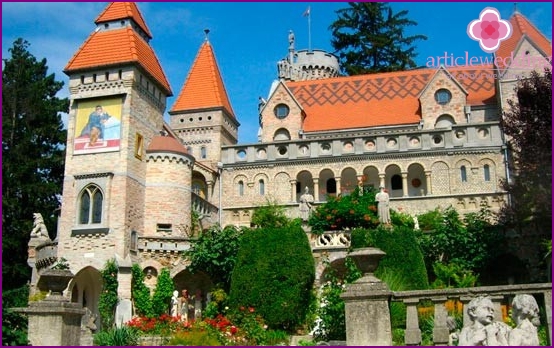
281 111
443 96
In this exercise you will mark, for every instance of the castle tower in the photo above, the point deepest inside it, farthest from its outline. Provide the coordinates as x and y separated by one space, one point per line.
202 115
118 94
306 65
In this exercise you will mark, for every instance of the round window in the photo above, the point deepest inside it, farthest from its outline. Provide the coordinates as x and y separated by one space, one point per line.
443 96
281 111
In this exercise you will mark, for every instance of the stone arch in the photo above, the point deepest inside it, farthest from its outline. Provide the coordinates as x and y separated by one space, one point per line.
440 178
371 177
85 288
393 180
197 284
261 181
488 166
239 185
463 171
303 179
348 180
417 185
199 185
445 121
327 184
281 134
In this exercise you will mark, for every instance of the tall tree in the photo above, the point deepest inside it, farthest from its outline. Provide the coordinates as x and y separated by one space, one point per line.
528 125
33 142
369 37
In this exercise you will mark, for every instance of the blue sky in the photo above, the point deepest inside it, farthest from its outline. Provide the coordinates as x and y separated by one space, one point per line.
248 37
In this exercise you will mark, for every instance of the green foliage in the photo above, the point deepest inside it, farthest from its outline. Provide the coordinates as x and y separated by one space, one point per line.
528 125
452 275
369 37
215 253
274 274
270 215
33 143
161 300
471 242
108 300
403 254
357 209
61 264
14 325
117 336
141 293
197 338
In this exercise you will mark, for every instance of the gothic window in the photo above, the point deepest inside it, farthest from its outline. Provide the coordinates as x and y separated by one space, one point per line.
396 182
241 188
90 209
203 152
463 173
487 172
262 187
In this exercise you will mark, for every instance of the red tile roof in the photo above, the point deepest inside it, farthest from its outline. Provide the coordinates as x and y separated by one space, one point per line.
123 10
383 99
204 87
522 27
162 143
117 47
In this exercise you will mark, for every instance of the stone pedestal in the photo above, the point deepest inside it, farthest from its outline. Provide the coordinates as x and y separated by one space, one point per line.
367 303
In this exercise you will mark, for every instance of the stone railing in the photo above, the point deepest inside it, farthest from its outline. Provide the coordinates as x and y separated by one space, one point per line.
500 295
202 206
163 244
330 240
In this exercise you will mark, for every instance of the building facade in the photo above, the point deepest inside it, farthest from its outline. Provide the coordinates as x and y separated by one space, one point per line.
132 180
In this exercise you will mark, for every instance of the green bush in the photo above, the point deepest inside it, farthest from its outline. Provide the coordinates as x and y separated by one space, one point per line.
14 325
141 293
117 336
194 338
108 300
161 300
274 275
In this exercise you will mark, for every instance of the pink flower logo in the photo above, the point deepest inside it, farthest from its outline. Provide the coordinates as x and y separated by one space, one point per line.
489 29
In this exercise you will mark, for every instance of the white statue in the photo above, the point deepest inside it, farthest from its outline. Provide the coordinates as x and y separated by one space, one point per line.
175 304
525 313
416 223
382 199
39 228
306 201
484 331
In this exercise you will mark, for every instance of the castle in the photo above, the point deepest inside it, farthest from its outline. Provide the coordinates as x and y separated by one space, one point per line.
132 180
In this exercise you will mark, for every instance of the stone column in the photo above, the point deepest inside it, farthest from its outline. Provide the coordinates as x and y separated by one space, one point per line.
440 330
412 335
293 190
337 185
124 309
367 304
428 182
316 189
404 184
548 312
382 180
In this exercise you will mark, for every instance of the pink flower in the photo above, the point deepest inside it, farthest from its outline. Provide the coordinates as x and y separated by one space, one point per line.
489 29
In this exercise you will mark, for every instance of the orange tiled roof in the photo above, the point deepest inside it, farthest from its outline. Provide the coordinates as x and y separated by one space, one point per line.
123 10
162 143
116 47
522 27
204 86
380 99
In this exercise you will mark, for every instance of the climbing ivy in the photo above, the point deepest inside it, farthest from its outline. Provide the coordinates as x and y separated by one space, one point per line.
161 300
108 300
141 293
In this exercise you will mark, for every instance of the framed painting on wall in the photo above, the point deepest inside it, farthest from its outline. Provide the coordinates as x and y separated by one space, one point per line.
98 125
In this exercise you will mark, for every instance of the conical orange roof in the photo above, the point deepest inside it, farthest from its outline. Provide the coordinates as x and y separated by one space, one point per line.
113 47
204 86
522 27
123 10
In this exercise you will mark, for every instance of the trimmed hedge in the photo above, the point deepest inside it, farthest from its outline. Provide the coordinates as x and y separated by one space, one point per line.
274 275
404 255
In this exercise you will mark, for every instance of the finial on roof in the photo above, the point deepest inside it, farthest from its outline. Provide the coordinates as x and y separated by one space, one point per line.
206 31
515 8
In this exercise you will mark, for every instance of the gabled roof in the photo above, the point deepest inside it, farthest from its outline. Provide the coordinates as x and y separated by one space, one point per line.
123 10
118 47
384 99
204 86
523 28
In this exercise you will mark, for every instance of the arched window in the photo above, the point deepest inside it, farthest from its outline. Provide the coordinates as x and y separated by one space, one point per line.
331 186
262 187
487 172
203 152
90 210
463 173
241 188
396 182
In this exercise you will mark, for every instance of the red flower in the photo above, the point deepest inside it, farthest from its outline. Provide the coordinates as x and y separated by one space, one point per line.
241 308
233 329
251 309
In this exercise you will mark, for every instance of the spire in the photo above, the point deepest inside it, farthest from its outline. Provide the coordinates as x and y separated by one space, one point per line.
114 44
204 86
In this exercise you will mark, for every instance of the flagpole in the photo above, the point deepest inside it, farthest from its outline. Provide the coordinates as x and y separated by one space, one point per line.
309 30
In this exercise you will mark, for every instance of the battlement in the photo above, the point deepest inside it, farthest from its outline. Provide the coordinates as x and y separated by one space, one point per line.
308 65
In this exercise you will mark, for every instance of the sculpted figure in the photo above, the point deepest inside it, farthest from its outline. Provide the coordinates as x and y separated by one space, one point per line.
484 331
525 313
382 198
174 304
306 201
39 228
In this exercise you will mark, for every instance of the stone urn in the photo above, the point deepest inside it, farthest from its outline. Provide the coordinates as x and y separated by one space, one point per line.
367 259
54 280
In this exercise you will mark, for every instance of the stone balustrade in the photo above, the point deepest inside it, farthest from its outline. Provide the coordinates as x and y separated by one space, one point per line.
499 295
330 240
457 137
163 244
